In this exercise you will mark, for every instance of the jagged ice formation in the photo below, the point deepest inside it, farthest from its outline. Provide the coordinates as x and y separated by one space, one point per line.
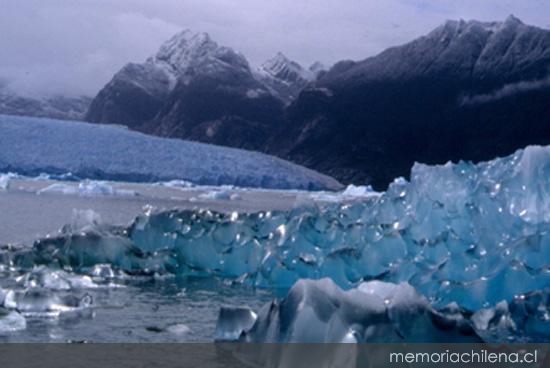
473 234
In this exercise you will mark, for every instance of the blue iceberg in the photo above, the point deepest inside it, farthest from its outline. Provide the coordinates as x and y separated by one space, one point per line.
471 234
318 311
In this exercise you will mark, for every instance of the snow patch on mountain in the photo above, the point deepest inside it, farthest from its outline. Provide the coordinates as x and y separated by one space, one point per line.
285 78
284 69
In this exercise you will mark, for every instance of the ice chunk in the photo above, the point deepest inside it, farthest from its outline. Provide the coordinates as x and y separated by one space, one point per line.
220 195
88 188
358 191
525 319
178 329
55 280
176 184
69 176
351 192
103 271
83 221
5 180
11 321
41 302
232 322
320 312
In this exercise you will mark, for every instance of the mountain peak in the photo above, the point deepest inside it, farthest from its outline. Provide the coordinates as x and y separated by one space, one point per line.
285 69
283 77
184 46
512 20
278 61
279 56
459 26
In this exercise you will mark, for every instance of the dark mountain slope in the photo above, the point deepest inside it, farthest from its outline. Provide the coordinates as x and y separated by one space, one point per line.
468 90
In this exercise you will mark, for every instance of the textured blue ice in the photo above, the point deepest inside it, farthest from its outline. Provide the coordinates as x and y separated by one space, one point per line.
472 234
318 311
31 146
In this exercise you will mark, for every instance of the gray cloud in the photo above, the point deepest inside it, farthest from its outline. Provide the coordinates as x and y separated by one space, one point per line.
74 47
506 91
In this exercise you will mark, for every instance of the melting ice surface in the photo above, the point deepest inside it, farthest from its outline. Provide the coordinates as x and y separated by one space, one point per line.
461 248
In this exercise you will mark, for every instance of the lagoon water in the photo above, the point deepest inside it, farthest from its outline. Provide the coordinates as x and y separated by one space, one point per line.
136 309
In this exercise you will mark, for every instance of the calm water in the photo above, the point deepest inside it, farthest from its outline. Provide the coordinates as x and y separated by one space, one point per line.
139 310
26 215
144 311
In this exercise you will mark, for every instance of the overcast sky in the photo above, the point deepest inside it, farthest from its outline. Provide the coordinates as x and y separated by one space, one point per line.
75 46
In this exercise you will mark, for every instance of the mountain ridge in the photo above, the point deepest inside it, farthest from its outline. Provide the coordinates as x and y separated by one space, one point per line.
192 88
414 103
466 90
57 106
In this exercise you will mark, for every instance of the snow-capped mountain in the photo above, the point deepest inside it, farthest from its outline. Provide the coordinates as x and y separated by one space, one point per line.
467 90
58 107
457 49
192 88
286 78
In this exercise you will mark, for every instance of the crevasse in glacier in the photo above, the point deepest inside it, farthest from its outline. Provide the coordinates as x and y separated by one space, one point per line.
474 234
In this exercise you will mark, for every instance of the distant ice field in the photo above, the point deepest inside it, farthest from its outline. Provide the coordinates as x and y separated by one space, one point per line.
32 146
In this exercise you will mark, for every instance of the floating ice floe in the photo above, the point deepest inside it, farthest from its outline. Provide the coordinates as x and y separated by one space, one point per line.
83 221
61 177
43 277
5 180
88 188
43 302
11 321
320 312
220 195
233 323
352 192
178 329
176 184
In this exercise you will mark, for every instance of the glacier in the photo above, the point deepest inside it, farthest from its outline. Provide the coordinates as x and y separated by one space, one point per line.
463 248
33 146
